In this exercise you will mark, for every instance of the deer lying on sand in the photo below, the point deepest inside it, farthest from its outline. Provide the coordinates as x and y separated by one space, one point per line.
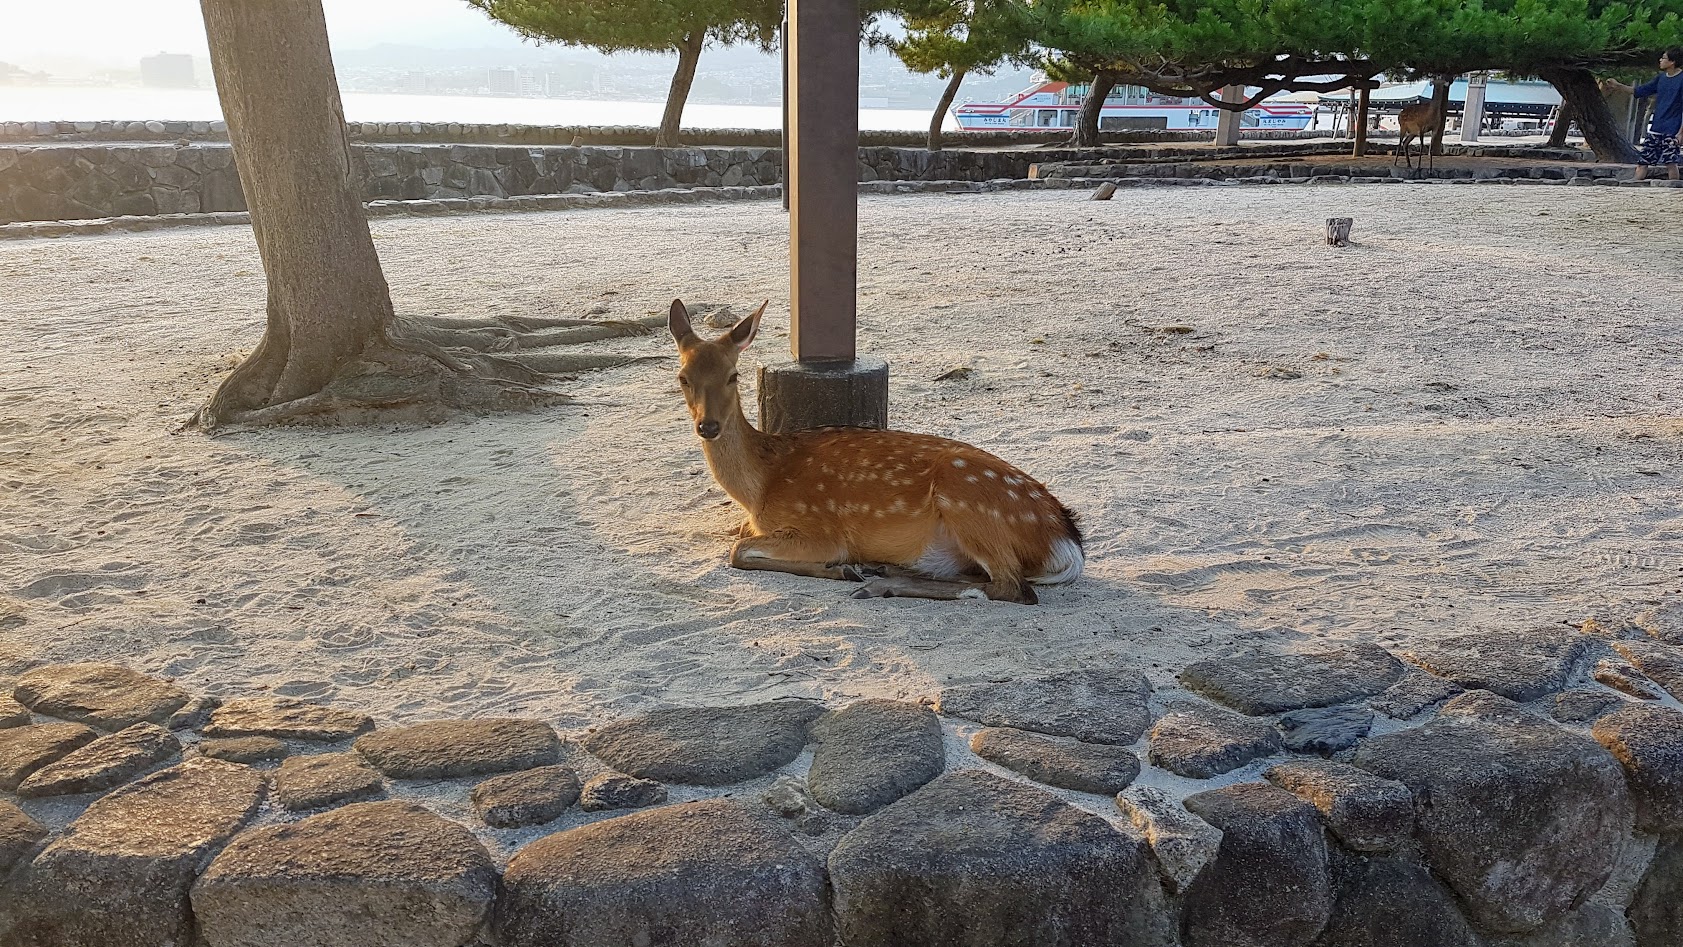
907 514
1416 122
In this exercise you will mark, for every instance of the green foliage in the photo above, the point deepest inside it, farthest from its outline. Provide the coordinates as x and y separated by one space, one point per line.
1422 38
1195 47
639 25
1192 47
950 36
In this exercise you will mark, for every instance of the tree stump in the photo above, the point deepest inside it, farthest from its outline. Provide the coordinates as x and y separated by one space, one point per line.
1104 192
1338 231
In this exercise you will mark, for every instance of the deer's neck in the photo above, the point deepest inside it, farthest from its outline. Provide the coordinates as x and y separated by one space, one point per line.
740 459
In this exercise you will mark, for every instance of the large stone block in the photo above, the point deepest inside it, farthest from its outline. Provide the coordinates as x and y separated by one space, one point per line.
23 750
974 860
1268 885
1648 741
373 874
1067 764
1656 912
712 873
1519 665
1094 706
1392 902
1264 683
449 748
18 834
107 696
706 746
1366 813
285 717
1199 741
104 763
1522 818
873 752
119 876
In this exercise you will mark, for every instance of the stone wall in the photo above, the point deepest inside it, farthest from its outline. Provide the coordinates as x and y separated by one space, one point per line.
95 182
468 133
83 181
1490 789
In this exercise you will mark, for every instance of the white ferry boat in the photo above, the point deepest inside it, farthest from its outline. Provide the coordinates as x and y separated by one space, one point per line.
1049 104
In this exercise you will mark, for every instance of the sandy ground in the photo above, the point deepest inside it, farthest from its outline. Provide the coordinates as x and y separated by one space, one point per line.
1468 420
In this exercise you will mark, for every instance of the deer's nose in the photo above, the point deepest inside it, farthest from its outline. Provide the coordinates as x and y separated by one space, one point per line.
708 429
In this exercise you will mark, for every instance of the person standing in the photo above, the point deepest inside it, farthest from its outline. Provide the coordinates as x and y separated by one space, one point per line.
1664 142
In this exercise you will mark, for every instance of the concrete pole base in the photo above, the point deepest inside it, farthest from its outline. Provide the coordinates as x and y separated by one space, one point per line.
796 396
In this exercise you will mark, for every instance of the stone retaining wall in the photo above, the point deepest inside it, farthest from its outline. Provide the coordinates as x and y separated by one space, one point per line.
88 181
468 133
1492 789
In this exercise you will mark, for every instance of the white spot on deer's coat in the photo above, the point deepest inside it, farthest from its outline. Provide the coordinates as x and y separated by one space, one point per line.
1012 494
972 479
991 475
958 462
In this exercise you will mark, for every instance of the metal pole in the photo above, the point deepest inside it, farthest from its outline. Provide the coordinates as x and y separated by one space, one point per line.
823 178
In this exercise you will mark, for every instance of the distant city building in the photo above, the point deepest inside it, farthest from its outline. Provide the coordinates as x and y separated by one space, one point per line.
529 82
168 71
504 81
415 82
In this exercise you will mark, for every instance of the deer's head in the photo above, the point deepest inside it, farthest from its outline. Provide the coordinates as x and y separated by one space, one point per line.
707 368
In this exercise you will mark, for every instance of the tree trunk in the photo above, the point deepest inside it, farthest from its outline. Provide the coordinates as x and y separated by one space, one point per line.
941 107
1440 99
1562 124
1338 231
327 294
332 348
1087 125
1361 123
689 53
1595 119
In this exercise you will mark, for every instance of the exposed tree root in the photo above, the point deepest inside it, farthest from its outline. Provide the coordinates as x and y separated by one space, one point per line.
427 369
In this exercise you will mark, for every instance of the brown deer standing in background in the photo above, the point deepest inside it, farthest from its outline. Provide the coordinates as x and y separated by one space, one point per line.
1417 122
921 516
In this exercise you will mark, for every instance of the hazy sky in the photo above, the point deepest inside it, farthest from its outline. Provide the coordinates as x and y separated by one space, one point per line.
121 31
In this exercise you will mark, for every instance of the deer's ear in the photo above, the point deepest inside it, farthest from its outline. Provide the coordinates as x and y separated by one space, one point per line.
742 335
678 323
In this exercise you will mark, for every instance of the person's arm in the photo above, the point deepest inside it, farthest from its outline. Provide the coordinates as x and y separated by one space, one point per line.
1642 91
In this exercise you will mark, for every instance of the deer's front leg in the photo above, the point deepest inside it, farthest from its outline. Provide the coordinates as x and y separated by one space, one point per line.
796 555
907 586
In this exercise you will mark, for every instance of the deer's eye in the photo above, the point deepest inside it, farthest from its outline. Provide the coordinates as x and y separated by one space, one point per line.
683 381
732 379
